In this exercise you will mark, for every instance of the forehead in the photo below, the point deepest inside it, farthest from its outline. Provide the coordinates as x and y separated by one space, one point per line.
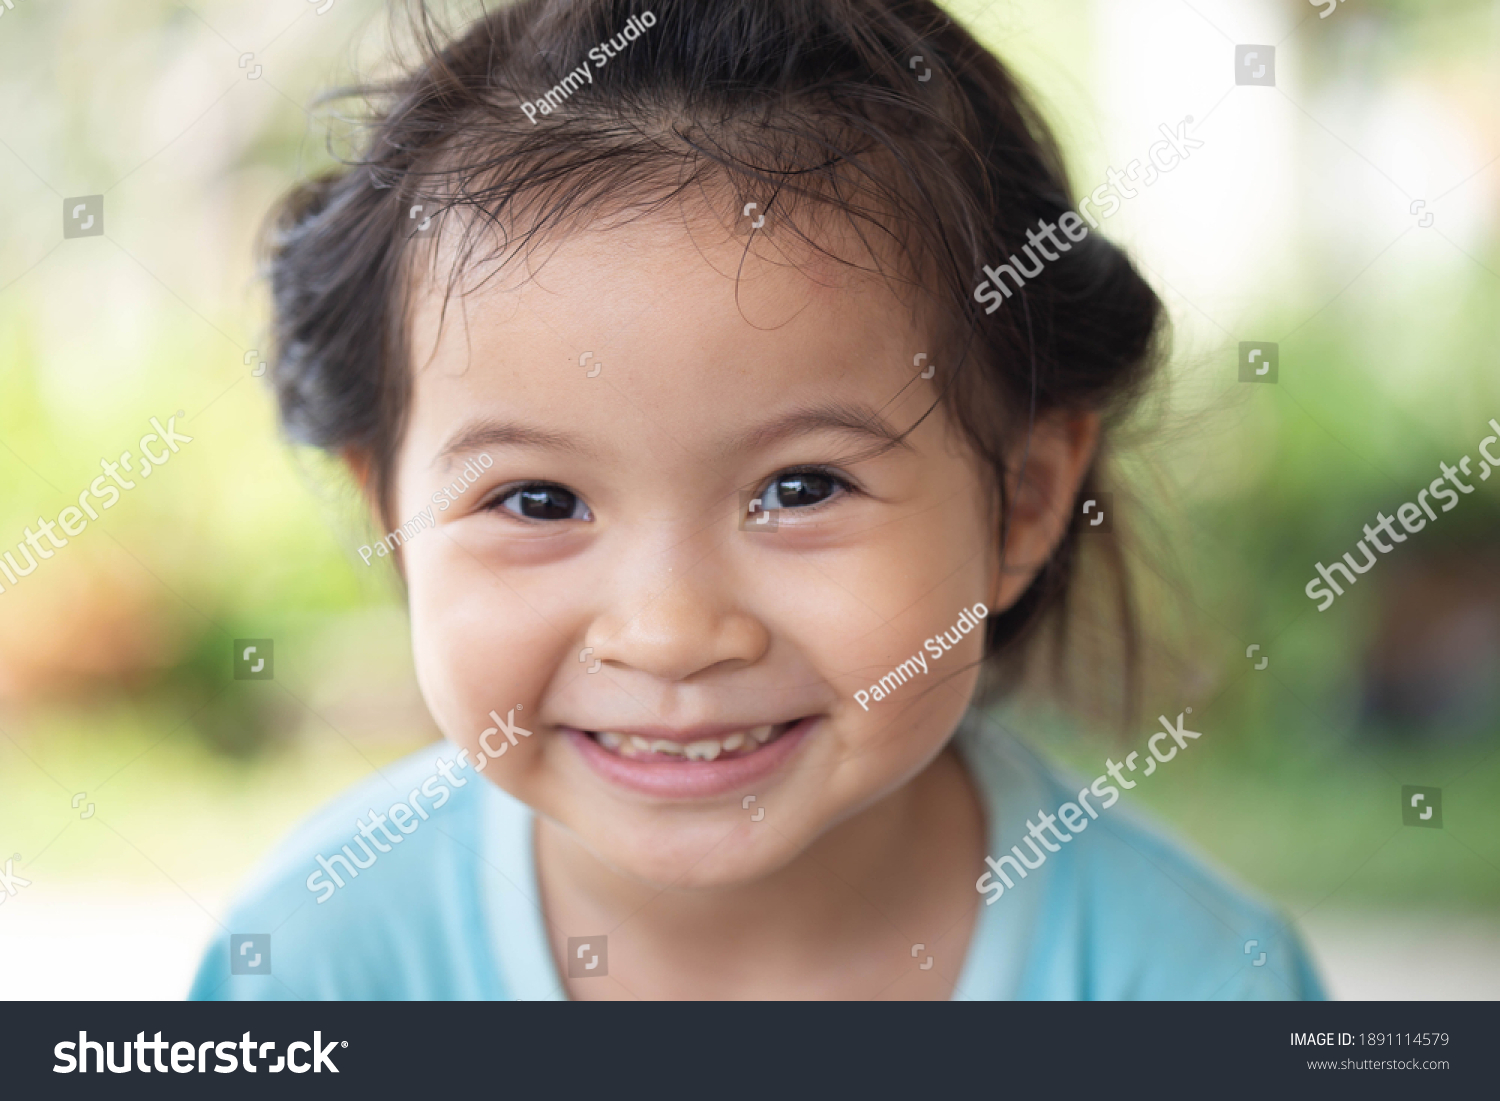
686 321
769 277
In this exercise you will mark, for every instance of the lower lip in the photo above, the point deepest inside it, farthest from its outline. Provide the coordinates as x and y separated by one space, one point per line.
689 780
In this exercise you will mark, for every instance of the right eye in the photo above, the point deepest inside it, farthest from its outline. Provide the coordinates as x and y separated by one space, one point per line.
544 501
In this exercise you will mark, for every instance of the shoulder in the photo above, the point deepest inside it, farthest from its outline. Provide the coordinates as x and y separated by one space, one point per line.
1127 912
394 912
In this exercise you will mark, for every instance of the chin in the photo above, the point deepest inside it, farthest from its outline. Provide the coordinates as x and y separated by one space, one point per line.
711 854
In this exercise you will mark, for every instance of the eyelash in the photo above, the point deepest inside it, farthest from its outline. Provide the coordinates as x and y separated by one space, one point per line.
505 493
843 483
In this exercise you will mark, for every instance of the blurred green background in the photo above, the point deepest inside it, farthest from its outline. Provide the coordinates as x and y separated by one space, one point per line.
1294 224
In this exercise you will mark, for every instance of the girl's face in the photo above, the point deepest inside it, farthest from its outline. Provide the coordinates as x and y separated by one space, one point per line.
697 685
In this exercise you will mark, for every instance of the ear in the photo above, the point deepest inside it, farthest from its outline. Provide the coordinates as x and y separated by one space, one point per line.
1042 479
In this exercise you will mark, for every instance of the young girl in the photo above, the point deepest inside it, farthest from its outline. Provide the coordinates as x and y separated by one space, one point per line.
728 377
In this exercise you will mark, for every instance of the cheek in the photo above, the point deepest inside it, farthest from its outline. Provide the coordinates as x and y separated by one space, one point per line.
901 591
900 735
477 643
917 589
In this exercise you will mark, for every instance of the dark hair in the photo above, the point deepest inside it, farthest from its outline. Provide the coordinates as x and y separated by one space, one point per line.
805 106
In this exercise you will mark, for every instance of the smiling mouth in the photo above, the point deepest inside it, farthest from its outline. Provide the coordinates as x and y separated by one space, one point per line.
741 743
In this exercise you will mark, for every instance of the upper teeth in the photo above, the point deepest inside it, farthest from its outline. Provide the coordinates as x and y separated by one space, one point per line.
704 749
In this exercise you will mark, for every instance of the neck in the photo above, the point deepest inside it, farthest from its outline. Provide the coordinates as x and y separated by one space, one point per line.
885 875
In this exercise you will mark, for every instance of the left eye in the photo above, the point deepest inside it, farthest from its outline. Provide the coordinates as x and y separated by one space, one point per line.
799 489
545 502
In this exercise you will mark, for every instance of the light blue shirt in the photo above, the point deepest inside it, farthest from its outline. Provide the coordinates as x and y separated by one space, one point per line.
453 911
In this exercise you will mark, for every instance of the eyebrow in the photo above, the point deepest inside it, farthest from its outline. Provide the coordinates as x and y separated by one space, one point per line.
856 420
837 417
491 433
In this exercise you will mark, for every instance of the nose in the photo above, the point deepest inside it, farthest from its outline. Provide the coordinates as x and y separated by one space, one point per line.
687 622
